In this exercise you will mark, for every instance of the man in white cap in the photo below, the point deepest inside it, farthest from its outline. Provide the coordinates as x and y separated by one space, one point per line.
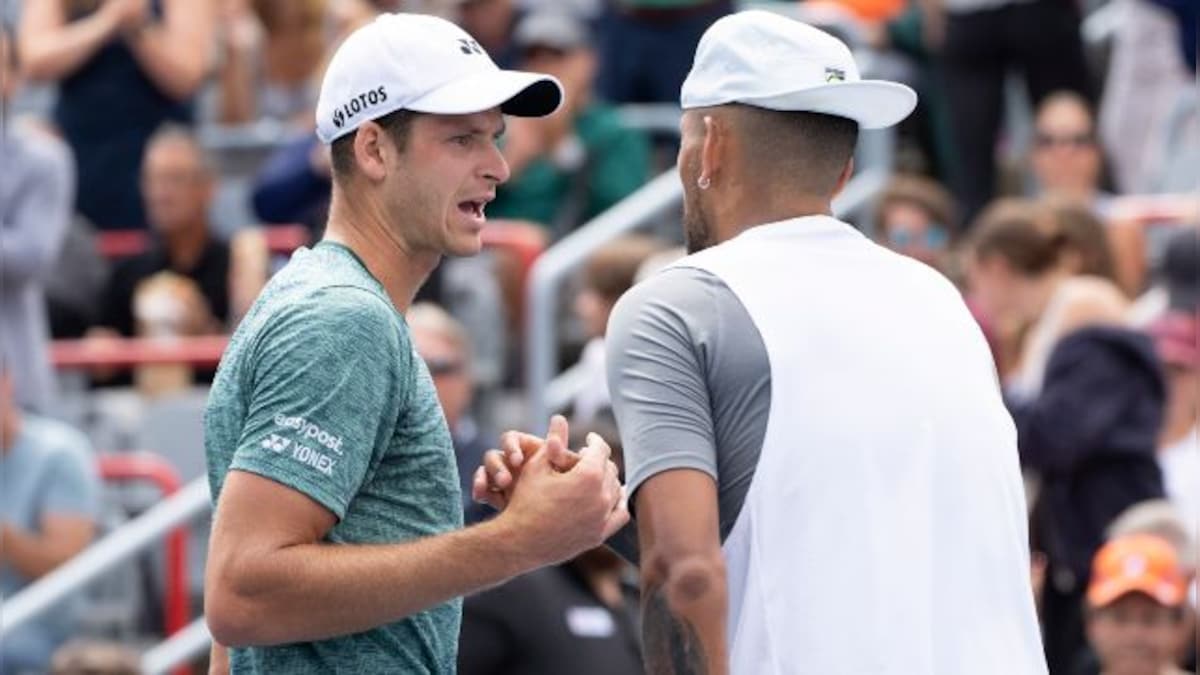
824 476
337 543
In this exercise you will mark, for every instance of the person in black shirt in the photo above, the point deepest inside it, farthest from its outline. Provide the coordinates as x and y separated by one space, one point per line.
177 187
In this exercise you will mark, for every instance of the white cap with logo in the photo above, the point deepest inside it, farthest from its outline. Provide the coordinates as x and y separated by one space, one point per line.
763 59
424 64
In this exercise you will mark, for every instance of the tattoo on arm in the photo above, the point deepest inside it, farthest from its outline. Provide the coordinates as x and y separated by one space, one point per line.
671 644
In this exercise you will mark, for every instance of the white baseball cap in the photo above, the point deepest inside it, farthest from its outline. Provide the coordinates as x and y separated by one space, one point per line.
767 60
424 64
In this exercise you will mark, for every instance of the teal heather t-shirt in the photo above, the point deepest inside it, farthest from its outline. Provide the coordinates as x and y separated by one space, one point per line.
322 391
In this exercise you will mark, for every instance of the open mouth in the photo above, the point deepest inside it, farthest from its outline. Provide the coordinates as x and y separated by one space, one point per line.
473 208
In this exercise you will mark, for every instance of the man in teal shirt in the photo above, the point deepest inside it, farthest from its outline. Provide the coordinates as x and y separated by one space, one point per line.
337 543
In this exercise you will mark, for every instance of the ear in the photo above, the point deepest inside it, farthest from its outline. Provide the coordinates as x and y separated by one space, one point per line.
844 178
712 153
370 149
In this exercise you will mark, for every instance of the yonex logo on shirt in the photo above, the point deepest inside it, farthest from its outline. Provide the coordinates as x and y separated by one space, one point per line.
275 443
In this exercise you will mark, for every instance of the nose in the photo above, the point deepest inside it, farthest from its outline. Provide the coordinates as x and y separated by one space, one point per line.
496 168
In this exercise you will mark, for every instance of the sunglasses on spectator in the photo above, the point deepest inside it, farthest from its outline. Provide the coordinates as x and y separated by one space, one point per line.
443 367
935 237
1083 140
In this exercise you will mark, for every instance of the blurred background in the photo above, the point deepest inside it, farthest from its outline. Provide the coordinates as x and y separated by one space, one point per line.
159 164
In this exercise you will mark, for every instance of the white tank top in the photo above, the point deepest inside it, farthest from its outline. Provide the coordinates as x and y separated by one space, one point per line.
885 527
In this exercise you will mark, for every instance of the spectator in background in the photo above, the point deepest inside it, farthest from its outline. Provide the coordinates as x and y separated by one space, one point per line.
492 22
271 50
1135 605
443 344
1027 282
1160 518
178 184
646 46
1089 439
1066 158
609 273
579 617
37 185
981 41
574 164
123 68
1175 339
293 185
1150 113
915 217
48 509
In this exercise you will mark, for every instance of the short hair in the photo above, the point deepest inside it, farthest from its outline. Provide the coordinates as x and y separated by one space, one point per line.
921 192
431 317
173 131
809 150
1158 517
1026 237
1068 97
1085 236
397 124
611 270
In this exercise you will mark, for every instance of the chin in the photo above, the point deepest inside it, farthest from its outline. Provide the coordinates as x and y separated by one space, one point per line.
465 246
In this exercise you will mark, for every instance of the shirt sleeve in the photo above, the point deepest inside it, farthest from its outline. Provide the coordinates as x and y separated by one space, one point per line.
74 486
323 395
657 378
32 232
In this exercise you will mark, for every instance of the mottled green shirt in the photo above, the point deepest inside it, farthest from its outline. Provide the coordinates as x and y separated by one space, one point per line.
321 390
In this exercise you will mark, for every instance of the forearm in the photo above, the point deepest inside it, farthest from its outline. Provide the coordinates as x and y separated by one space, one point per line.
55 54
318 591
684 605
30 555
236 84
177 72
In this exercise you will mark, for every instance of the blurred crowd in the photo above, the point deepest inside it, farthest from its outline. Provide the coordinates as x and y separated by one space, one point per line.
1051 171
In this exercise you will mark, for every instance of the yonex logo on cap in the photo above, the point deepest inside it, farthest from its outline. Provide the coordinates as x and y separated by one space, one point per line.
835 74
358 104
469 46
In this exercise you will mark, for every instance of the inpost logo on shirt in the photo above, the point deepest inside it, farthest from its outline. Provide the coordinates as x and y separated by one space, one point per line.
303 453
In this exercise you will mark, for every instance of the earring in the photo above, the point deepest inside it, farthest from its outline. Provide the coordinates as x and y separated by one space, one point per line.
703 182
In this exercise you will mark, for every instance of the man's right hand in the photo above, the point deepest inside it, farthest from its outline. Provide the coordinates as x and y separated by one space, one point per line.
558 513
497 475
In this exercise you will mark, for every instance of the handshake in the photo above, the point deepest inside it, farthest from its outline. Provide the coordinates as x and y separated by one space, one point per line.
563 502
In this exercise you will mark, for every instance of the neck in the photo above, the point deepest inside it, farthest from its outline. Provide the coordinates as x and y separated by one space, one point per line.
1181 418
186 244
361 226
1041 290
759 207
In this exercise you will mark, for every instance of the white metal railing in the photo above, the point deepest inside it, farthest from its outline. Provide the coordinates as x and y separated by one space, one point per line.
120 545
183 647
547 274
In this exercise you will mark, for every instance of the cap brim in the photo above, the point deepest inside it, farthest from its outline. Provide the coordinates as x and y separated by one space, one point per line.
1163 592
874 104
515 92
